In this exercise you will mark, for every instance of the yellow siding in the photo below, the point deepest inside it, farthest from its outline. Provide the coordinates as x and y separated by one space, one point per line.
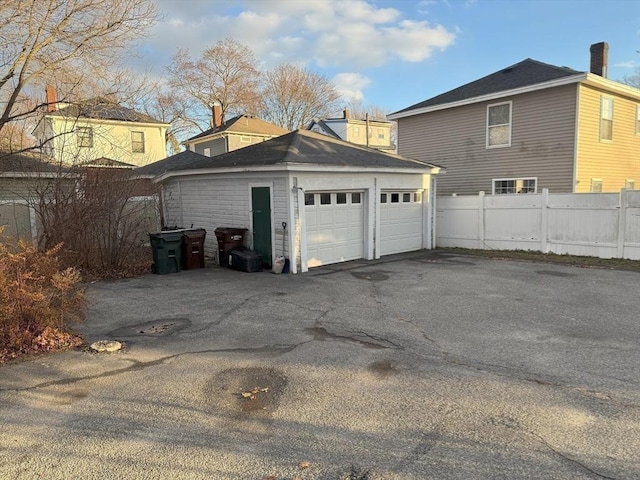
111 139
614 161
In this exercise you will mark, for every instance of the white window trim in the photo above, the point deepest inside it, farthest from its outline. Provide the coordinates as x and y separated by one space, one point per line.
207 152
601 117
638 119
508 144
598 180
515 179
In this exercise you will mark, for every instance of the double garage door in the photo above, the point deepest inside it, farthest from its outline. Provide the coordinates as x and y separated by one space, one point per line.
335 225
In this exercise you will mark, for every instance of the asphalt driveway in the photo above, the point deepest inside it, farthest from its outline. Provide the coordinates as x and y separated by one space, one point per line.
423 366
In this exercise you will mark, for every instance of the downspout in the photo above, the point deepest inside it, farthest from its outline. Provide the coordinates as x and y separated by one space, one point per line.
576 140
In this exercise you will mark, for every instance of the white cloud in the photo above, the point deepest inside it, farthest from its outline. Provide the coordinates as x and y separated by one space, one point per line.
628 64
330 32
350 85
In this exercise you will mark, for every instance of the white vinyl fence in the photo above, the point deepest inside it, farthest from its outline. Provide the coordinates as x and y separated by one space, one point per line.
605 225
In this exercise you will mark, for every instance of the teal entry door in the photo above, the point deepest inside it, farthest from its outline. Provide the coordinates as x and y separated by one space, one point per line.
261 211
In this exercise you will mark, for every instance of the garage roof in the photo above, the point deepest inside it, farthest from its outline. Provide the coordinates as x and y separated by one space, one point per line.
298 148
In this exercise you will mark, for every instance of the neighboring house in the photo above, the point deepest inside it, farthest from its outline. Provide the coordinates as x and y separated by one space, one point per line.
527 127
239 132
315 199
83 132
370 133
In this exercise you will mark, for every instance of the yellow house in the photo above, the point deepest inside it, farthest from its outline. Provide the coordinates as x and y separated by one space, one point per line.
99 130
528 127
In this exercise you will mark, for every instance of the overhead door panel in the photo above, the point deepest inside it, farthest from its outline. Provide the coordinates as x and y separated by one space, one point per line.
401 222
334 227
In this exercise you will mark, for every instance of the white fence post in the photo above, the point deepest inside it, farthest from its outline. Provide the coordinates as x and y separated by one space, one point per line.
481 220
622 219
544 221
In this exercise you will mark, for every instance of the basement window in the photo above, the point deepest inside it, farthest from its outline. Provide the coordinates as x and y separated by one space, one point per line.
596 185
503 186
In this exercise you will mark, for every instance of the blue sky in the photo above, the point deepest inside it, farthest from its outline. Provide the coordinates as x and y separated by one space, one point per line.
393 54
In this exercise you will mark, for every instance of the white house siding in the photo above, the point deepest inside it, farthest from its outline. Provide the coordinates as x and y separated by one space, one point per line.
542 142
223 200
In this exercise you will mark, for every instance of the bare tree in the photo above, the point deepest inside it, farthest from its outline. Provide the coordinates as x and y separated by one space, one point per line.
45 40
293 96
226 74
632 80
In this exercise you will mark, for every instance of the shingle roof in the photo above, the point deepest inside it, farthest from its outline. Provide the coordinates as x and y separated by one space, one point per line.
300 147
99 108
522 74
28 162
244 124
179 161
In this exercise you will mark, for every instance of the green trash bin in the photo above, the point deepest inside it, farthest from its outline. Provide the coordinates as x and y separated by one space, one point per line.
167 252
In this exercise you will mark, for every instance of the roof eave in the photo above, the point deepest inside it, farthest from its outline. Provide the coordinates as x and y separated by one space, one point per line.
594 80
581 77
298 167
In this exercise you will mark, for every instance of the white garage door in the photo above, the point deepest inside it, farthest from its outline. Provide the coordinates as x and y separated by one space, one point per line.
334 227
401 222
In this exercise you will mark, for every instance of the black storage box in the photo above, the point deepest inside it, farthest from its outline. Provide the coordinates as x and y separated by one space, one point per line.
244 260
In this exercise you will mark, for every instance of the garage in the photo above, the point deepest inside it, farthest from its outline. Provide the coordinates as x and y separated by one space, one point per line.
324 198
401 221
334 227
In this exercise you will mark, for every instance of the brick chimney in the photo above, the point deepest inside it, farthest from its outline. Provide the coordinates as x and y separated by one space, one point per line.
599 58
52 98
217 115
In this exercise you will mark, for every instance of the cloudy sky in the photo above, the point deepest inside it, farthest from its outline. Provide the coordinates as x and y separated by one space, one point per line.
394 53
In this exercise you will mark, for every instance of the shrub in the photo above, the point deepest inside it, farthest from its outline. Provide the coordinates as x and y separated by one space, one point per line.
38 300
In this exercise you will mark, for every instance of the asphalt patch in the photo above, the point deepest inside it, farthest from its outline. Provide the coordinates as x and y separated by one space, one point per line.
374 276
155 328
246 391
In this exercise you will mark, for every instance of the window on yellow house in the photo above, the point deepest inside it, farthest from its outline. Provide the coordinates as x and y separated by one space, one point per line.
606 118
137 142
85 136
596 185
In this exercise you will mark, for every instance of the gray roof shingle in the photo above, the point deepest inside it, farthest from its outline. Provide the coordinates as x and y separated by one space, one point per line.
102 109
300 147
244 124
179 161
522 74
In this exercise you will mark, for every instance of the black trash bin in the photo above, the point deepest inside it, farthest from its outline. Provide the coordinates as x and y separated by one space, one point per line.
166 250
229 239
193 248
